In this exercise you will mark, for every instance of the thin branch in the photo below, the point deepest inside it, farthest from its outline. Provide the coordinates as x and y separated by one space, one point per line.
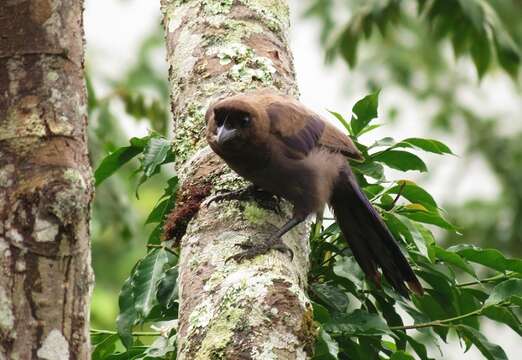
442 322
486 280
135 333
155 246
399 193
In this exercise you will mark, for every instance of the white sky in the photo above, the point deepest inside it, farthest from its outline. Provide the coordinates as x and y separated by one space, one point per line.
114 29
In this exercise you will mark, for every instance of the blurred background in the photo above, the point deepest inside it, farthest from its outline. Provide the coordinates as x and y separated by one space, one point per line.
426 91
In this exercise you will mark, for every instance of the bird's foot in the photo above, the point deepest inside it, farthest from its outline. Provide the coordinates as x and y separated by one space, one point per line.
264 199
251 250
230 195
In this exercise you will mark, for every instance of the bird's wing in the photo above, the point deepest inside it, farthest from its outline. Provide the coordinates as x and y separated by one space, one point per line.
302 130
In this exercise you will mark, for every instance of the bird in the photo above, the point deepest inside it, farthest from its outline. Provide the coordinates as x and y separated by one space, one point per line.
282 147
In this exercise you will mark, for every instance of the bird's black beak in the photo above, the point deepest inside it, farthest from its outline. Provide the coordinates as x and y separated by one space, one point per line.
224 134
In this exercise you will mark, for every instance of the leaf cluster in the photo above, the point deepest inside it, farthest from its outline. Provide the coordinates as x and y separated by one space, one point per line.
472 27
358 320
355 320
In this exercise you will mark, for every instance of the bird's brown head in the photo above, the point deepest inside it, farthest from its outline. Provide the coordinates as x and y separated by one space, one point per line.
235 122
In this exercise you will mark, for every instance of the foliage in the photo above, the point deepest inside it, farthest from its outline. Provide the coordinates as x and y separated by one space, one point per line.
426 50
361 319
149 295
124 103
355 320
472 26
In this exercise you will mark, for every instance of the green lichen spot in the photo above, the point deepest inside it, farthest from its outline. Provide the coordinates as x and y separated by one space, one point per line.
73 176
214 7
274 13
255 214
229 31
247 67
6 313
52 76
190 126
220 333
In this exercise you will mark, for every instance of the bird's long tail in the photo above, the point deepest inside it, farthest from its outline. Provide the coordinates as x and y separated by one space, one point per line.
368 237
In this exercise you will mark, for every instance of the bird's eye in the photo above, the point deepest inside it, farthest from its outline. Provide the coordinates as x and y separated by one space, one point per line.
245 121
220 121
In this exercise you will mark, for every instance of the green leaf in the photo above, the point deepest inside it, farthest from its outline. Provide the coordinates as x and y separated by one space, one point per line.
508 53
491 258
427 217
105 348
467 303
145 280
373 190
400 160
429 145
422 237
418 347
371 169
503 315
331 296
364 111
132 353
369 128
114 161
168 288
167 204
346 267
161 347
480 52
158 213
401 355
321 314
387 141
414 194
326 348
453 259
489 350
155 154
359 323
430 307
438 282
508 290
342 120
98 338
128 315
347 44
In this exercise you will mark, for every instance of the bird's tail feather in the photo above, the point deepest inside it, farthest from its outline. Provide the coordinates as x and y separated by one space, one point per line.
368 237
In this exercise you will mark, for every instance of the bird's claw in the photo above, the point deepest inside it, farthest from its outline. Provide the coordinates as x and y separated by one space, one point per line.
253 250
211 199
229 195
245 245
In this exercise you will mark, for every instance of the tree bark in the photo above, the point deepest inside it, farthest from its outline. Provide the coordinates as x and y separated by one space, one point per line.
257 309
45 182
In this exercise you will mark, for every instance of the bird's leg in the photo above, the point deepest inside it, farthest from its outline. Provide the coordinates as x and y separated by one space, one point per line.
274 242
231 195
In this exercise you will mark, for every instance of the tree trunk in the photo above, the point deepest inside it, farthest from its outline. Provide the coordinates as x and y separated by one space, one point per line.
45 182
256 309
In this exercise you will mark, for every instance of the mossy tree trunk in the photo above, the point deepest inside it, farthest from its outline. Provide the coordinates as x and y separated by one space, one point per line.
45 182
257 309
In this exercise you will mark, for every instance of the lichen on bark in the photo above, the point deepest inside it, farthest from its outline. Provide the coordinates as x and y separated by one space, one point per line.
45 182
256 309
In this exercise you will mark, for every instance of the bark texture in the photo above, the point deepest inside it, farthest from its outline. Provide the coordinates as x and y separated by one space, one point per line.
45 182
257 309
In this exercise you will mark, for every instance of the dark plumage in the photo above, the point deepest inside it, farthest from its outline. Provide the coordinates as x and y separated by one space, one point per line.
288 150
